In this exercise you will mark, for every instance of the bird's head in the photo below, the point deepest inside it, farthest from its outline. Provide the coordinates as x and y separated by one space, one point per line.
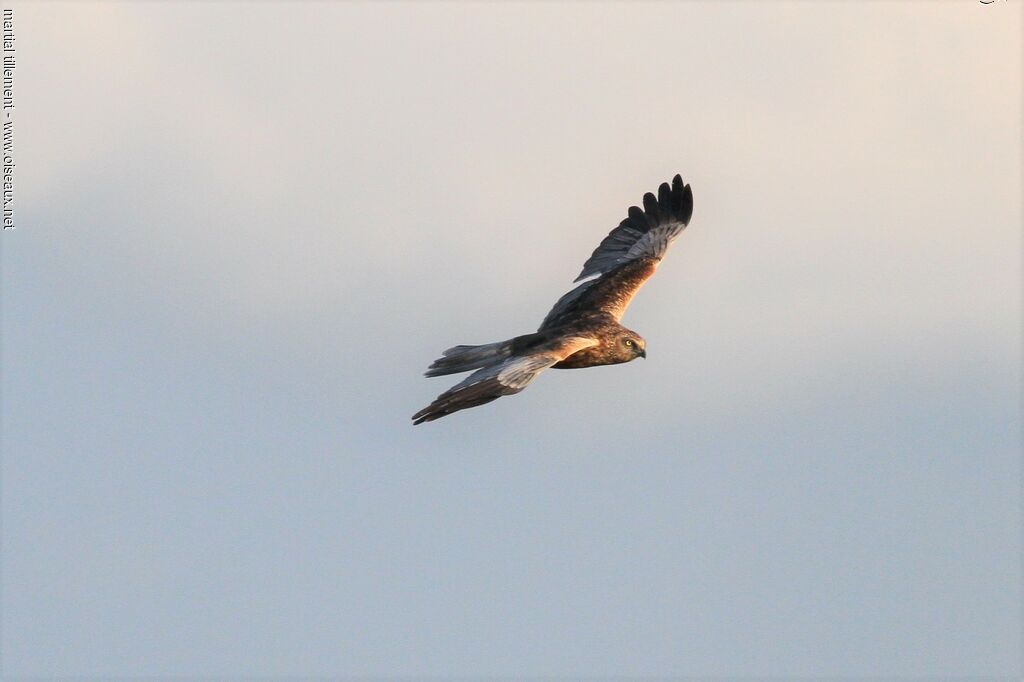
632 346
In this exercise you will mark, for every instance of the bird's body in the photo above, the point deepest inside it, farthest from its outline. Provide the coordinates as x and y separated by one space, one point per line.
610 348
582 329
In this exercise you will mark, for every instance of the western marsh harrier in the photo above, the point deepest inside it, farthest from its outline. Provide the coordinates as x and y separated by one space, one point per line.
583 329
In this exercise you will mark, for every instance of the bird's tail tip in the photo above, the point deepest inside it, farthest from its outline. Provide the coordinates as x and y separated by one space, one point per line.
464 358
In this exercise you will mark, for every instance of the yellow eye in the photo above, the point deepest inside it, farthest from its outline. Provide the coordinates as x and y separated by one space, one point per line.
629 342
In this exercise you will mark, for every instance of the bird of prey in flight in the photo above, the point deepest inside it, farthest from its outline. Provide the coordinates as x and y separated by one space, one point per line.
583 329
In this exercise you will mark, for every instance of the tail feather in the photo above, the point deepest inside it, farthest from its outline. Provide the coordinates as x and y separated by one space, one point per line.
465 358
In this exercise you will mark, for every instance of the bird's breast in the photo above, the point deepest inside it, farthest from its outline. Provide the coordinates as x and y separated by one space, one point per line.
588 357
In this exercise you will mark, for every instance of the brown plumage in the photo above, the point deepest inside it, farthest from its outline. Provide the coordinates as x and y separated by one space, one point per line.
582 329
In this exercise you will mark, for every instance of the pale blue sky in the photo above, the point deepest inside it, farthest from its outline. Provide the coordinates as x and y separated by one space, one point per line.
244 231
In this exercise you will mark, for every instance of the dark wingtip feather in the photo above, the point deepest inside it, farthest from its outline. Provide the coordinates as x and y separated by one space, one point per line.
650 203
428 414
665 199
686 210
651 209
677 194
637 220
681 200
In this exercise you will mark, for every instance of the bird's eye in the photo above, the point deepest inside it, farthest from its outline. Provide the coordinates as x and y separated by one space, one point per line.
629 342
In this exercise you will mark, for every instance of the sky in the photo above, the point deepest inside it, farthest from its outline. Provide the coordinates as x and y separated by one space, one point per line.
245 229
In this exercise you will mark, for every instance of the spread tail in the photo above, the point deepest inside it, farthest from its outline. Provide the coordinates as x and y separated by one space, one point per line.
465 358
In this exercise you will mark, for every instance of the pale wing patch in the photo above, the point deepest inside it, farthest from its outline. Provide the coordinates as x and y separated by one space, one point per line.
655 243
516 373
644 233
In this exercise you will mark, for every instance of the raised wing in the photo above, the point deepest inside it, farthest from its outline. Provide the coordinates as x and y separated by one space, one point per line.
507 377
628 256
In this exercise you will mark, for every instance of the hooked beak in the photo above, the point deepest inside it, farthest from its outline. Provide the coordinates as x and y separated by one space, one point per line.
643 353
